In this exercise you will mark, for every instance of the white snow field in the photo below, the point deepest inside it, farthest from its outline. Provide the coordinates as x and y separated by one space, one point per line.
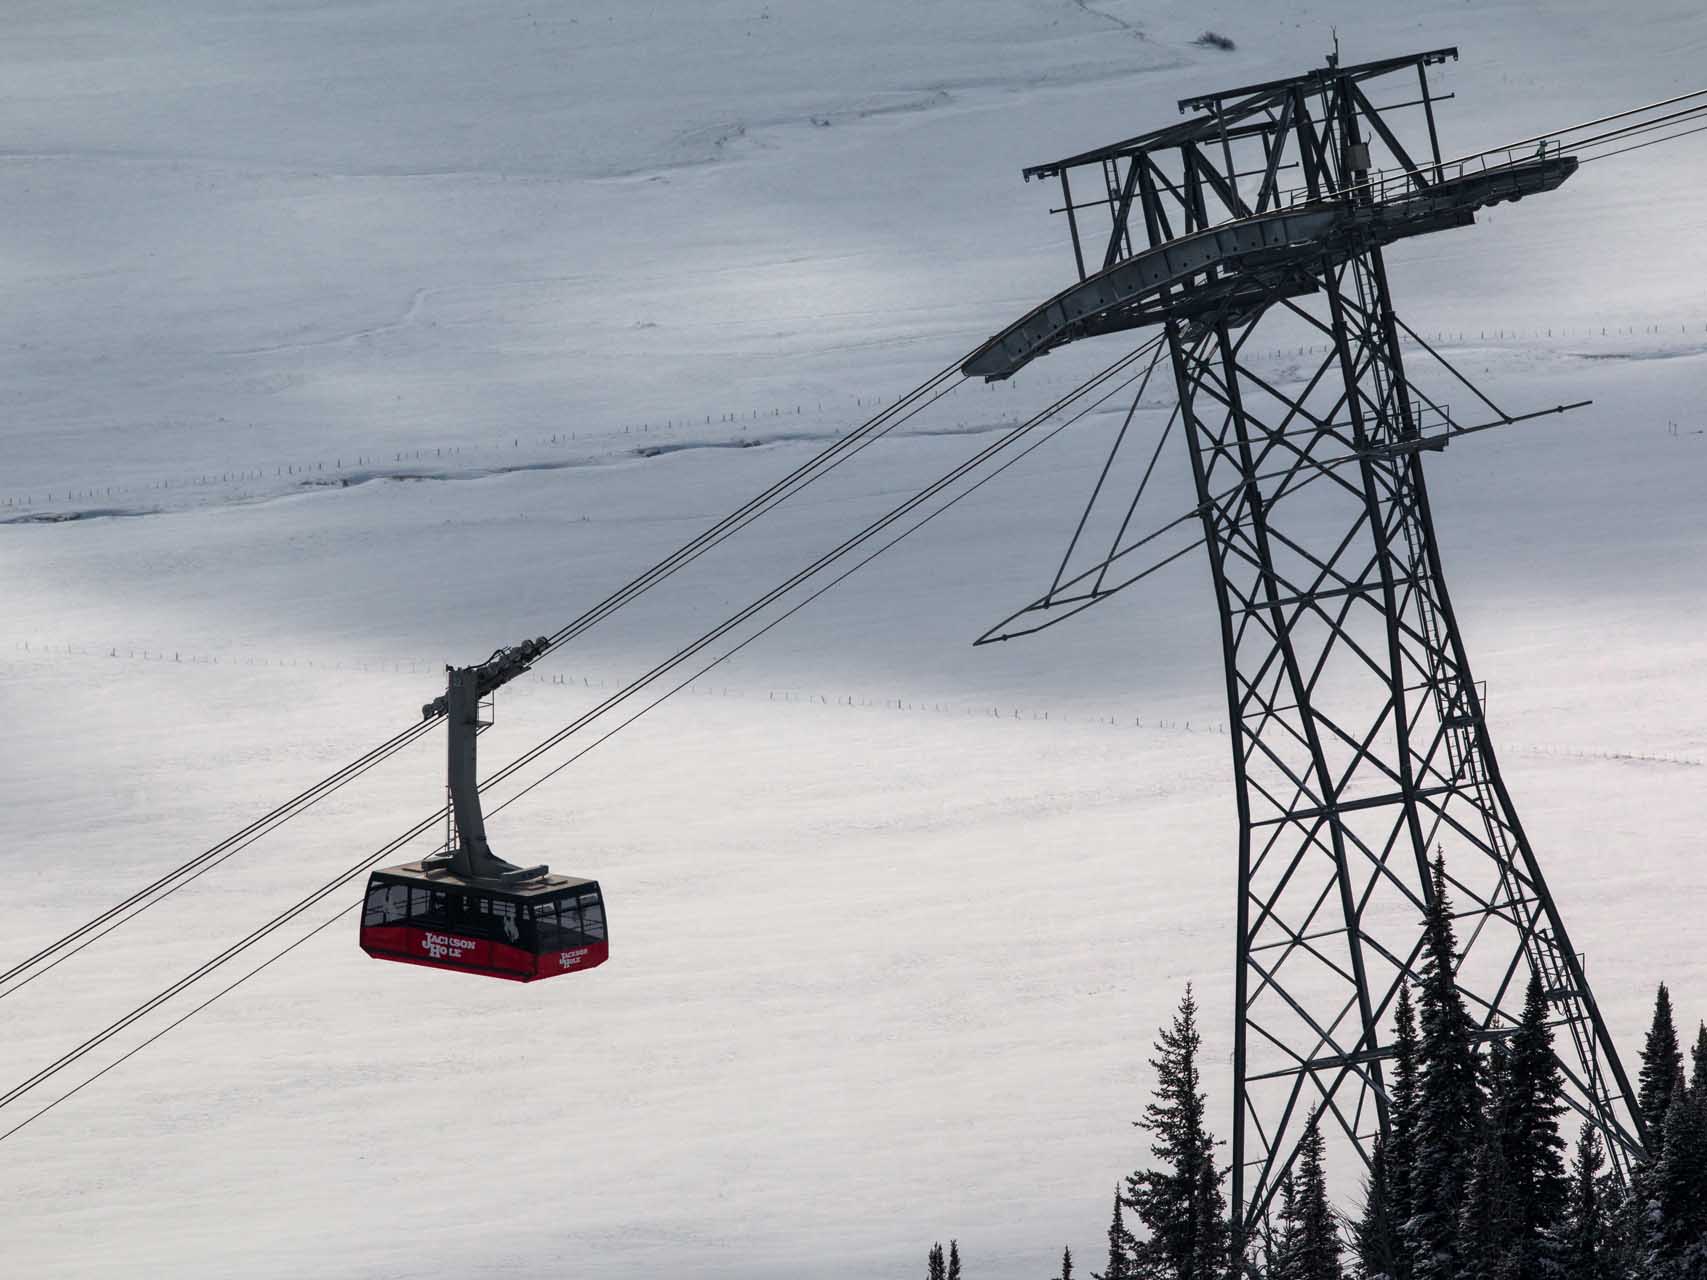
894 919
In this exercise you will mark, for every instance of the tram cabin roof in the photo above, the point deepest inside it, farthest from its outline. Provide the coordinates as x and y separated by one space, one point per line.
544 887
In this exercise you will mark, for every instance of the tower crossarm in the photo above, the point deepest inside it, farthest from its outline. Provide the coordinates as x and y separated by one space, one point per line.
1245 259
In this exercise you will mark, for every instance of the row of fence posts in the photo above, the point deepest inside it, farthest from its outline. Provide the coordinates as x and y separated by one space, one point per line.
400 457
415 666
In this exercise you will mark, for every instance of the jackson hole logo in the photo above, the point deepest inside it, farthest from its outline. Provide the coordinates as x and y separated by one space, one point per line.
439 945
571 958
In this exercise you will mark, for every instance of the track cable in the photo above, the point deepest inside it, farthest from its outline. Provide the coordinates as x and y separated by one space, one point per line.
302 905
841 450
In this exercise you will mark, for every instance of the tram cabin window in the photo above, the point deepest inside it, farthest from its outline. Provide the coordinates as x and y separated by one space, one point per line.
386 904
593 916
572 920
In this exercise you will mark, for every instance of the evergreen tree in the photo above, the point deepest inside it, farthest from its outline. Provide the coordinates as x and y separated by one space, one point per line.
1388 1204
1698 1061
1376 1237
1526 1115
1488 1225
954 1260
1402 1125
938 1270
1272 1239
1066 1264
1119 1265
1679 1238
1283 1248
1449 1101
1494 1072
1314 1251
1180 1204
1588 1252
1662 1061
1627 1222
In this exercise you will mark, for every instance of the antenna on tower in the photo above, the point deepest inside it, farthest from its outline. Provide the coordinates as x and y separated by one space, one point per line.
1334 57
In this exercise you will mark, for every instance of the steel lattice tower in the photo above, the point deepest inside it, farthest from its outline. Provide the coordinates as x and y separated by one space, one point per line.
1360 747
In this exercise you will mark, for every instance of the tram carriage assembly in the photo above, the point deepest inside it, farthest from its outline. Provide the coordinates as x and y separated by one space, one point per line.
465 908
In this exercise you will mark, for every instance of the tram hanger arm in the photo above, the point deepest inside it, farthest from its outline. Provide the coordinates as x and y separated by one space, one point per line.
503 666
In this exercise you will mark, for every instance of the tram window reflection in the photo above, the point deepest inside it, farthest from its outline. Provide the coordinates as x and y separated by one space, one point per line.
593 917
386 904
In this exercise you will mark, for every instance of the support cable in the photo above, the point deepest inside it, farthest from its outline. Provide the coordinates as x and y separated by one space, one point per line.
824 561
602 738
1633 129
135 1049
1555 135
175 879
1012 437
841 450
920 398
208 966
1652 142
71 1056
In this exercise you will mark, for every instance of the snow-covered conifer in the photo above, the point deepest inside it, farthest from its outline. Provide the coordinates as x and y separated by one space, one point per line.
1402 1123
1315 1250
1678 1243
1487 1244
1662 1062
1376 1236
1588 1252
1119 1264
1526 1114
1449 1101
1284 1245
1180 1203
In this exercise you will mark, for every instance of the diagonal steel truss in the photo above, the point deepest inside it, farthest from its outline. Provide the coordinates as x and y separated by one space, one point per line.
1360 746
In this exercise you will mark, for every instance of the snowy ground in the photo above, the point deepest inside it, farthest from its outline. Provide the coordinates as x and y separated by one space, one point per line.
894 919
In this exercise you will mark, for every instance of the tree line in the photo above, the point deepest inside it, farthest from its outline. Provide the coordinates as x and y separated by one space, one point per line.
1475 1180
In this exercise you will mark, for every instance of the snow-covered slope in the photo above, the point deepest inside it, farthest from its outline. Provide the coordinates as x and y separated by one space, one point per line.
894 918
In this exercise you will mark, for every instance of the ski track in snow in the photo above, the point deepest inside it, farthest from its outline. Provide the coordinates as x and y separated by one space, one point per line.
410 315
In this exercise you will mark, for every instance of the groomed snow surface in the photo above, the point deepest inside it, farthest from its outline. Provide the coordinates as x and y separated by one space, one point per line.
358 338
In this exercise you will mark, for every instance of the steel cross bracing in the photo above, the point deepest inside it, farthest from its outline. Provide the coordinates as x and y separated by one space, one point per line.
1359 744
1360 747
1196 174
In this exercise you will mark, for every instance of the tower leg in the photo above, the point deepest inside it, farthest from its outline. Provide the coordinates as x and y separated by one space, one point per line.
1359 743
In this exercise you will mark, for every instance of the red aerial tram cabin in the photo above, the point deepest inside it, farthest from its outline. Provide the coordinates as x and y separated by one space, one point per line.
465 908
545 927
